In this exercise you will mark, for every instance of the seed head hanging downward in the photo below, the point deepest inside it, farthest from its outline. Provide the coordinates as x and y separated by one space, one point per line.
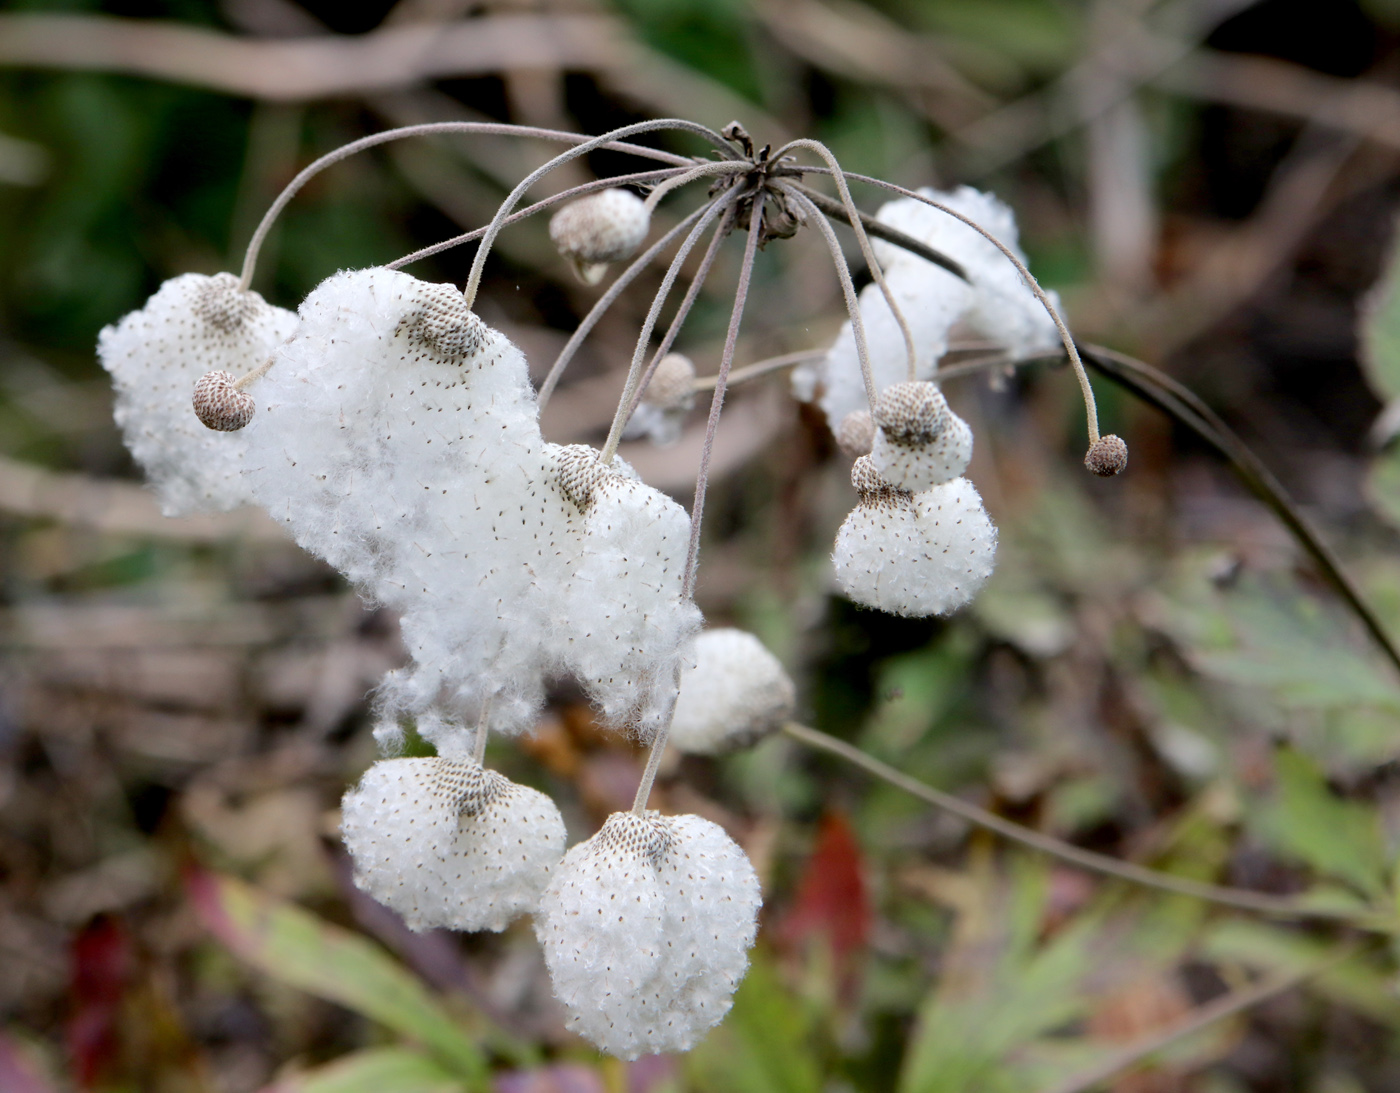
646 929
446 843
919 441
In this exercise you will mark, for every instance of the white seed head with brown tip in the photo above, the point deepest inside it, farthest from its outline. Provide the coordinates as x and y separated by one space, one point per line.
911 413
919 442
220 405
735 693
446 843
599 229
855 434
1107 456
646 929
914 554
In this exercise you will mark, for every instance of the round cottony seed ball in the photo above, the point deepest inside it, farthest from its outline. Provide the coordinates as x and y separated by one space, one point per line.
604 227
1108 456
220 405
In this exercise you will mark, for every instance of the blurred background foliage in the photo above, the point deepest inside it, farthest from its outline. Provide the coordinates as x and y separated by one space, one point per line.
1155 672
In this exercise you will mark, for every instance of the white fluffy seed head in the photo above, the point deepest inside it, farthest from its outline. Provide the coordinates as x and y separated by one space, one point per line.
921 466
446 843
220 405
598 229
646 929
914 554
735 693
912 412
855 434
192 326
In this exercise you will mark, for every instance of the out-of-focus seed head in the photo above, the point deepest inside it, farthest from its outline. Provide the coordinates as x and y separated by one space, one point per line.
220 405
1107 456
598 229
672 385
856 433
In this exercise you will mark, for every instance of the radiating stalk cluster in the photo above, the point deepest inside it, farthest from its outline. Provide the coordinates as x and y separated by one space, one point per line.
396 435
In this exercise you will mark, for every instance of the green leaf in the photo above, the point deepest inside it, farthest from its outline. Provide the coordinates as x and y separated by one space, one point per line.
763 1046
1306 821
300 949
1380 331
374 1071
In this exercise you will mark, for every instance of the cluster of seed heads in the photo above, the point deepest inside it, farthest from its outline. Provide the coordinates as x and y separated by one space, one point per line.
396 435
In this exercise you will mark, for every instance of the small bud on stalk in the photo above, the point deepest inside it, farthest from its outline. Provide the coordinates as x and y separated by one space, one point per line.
220 405
1107 456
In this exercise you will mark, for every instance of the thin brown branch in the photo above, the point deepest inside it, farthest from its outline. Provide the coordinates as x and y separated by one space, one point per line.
1273 906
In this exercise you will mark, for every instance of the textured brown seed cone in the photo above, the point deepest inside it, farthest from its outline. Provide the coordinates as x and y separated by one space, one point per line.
220 405
1107 456
855 434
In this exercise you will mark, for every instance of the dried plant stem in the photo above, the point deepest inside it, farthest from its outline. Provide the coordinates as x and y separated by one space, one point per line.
1091 411
692 292
731 337
760 368
1181 403
1273 906
512 199
243 382
741 293
879 230
704 170
483 730
634 373
1199 1019
848 288
853 215
538 206
250 258
605 301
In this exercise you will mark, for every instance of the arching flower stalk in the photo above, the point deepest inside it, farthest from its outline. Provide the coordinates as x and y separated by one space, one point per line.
396 435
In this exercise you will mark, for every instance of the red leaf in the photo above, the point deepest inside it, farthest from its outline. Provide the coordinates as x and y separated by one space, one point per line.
832 899
101 971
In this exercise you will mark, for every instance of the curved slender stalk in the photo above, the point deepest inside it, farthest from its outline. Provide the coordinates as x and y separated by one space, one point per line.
1200 1018
306 174
605 301
1183 404
731 338
704 170
483 730
836 211
538 206
1091 410
507 206
853 219
702 478
759 368
692 291
848 288
634 372
1273 906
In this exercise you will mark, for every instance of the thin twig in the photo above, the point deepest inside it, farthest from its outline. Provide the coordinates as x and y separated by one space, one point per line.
684 178
1199 1019
1274 906
848 288
590 145
692 292
759 368
871 262
731 338
836 211
634 373
605 301
1181 403
1090 407
309 172
538 206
